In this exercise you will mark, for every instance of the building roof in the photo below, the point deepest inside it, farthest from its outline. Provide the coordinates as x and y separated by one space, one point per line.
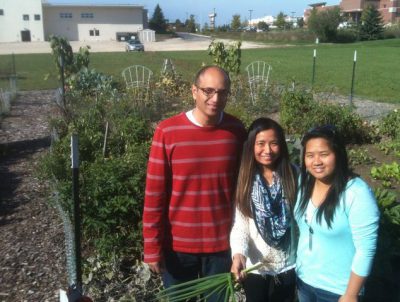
53 4
317 4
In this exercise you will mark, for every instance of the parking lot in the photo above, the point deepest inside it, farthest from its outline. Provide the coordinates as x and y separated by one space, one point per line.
174 44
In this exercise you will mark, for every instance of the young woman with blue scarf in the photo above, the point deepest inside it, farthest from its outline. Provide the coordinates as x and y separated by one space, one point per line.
263 226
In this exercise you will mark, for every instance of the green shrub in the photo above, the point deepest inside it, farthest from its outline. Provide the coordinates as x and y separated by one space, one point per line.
382 283
89 82
389 125
111 184
389 174
346 36
392 32
299 112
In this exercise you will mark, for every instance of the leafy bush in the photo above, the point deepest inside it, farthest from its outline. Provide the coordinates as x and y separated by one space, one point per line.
90 82
389 174
390 147
346 36
382 284
324 24
359 156
111 183
389 125
392 31
226 56
299 112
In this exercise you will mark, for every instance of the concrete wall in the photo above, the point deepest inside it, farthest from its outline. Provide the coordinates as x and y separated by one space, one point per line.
104 22
12 22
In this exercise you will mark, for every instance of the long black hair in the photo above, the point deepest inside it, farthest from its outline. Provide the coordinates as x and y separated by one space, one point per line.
341 173
248 166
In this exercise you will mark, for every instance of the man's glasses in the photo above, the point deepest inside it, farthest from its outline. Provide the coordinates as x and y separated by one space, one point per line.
210 92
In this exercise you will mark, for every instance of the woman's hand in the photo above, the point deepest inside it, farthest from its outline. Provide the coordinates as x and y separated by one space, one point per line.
348 298
238 265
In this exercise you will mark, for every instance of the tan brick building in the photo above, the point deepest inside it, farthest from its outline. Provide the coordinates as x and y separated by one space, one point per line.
389 9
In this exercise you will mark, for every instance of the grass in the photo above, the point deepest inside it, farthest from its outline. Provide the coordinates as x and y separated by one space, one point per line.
377 70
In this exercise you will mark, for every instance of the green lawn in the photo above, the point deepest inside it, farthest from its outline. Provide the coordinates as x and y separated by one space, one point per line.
377 71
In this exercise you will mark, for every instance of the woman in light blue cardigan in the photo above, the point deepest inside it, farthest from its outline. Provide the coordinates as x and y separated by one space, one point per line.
338 221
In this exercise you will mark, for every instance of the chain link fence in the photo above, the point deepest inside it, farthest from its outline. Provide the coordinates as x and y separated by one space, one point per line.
8 83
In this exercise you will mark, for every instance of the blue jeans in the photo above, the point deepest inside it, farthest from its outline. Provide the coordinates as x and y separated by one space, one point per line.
278 288
182 267
308 293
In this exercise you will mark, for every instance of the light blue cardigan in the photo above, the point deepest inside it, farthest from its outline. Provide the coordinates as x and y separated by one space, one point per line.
349 245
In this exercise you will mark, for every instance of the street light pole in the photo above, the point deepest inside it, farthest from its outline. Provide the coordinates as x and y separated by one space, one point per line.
250 11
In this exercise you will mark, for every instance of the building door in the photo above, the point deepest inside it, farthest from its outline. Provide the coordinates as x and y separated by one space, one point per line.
25 35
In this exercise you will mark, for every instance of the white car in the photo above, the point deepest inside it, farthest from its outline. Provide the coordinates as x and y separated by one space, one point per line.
134 45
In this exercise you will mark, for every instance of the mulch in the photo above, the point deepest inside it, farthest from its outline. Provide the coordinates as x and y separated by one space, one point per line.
32 258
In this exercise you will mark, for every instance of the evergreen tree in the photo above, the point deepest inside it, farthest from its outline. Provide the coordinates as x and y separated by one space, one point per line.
300 23
235 23
158 22
191 24
371 27
280 21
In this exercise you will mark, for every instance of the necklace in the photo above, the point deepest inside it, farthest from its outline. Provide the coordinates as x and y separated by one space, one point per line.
308 223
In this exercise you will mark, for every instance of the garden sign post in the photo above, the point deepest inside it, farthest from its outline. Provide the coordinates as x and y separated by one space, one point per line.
352 78
77 212
313 68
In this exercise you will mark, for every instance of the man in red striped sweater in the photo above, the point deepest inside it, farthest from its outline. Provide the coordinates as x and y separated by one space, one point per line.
191 176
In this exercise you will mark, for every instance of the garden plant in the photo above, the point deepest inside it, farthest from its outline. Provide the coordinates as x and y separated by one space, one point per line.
115 131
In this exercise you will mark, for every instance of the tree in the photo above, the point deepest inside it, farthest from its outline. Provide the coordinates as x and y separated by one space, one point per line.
236 23
300 23
158 22
371 27
325 23
280 20
191 24
262 26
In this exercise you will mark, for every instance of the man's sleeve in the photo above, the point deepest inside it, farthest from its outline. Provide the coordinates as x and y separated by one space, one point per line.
155 201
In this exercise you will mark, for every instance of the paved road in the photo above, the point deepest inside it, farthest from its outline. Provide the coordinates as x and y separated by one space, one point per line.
184 42
193 37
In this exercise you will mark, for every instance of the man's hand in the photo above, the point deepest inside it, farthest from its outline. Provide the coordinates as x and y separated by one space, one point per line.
238 265
156 267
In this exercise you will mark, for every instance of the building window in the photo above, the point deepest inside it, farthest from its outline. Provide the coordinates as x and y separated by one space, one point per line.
1 12
87 15
37 17
94 32
66 15
25 17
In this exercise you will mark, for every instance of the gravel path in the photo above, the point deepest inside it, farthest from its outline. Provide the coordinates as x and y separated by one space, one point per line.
32 264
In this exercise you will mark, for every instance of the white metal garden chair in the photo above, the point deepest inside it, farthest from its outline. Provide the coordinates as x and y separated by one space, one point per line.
137 78
168 67
258 73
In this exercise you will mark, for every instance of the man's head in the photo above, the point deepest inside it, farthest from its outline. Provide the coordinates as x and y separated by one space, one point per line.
210 92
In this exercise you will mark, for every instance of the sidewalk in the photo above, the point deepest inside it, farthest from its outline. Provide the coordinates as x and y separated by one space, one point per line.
175 44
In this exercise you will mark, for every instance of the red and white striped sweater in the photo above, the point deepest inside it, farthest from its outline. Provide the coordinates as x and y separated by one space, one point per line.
191 175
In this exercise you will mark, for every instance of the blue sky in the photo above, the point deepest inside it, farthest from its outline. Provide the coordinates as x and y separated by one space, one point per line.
225 9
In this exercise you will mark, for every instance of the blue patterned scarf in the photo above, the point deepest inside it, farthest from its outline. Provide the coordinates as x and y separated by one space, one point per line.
271 212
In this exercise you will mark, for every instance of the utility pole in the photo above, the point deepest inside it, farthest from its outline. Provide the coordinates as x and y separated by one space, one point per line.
250 11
